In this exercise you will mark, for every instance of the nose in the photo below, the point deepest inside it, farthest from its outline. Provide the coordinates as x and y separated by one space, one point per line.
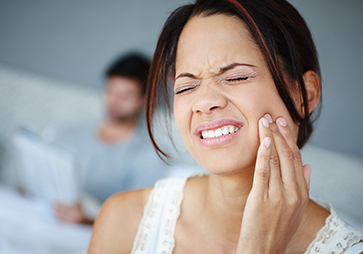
208 100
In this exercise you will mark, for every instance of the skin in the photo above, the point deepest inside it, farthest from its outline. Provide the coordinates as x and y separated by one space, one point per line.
255 199
124 103
123 98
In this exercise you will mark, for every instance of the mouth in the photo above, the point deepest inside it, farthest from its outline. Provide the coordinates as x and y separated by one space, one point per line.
215 133
218 132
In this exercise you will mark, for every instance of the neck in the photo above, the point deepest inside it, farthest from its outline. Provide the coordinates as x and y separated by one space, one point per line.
112 131
225 201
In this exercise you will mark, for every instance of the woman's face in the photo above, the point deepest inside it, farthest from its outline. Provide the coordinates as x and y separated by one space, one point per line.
223 87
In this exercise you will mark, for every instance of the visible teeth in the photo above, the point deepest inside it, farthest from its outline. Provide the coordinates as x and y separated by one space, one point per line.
218 132
231 129
204 134
211 134
225 131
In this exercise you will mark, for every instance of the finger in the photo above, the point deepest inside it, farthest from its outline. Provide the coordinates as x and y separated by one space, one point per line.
262 168
290 141
61 216
275 166
66 215
59 208
62 212
264 128
286 158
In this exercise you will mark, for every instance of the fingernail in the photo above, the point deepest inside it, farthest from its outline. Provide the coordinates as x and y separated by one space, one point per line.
268 117
267 142
282 122
265 122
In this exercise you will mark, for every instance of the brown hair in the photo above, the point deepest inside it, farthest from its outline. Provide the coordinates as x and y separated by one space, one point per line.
134 66
277 28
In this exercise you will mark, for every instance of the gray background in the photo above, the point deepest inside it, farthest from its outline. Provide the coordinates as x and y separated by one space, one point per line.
74 41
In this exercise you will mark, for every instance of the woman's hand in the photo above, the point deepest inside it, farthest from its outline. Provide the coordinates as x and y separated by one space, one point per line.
279 194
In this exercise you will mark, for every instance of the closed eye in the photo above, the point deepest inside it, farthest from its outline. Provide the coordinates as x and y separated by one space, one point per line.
237 79
185 89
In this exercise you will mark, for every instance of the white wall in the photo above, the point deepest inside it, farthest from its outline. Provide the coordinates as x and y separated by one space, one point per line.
73 40
337 30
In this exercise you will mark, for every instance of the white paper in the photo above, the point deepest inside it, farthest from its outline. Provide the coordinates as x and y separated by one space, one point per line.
46 171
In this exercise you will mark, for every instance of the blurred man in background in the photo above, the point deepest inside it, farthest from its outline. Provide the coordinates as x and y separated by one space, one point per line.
116 154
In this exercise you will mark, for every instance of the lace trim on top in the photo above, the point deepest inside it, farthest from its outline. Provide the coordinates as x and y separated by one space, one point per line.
336 237
157 226
162 208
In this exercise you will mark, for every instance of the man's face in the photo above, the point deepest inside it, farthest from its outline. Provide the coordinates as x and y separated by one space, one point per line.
123 98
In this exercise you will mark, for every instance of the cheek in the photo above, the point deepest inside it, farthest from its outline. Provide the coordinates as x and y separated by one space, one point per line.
131 101
275 106
183 118
180 115
256 101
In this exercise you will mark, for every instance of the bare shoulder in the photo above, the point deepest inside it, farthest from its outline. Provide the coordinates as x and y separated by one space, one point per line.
313 220
117 223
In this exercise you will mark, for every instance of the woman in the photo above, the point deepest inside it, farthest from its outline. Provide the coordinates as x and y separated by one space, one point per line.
246 81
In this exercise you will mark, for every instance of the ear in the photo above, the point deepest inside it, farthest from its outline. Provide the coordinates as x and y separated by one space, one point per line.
313 90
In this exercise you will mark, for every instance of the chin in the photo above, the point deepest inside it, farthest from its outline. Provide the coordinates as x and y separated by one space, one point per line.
238 155
226 163
223 170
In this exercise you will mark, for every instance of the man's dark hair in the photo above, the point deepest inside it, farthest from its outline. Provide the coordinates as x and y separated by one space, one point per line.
132 65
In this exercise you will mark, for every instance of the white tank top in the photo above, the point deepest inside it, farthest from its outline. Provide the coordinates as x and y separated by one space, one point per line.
157 226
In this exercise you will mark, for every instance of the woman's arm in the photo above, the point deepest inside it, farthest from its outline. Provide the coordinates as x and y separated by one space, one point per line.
117 223
280 192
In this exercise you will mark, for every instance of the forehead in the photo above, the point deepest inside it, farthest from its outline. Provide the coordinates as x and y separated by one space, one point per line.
123 84
214 42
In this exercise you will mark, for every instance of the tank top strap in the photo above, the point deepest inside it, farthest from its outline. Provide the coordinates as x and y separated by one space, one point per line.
157 226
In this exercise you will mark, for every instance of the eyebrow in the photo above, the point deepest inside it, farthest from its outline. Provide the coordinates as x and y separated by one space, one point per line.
232 66
186 74
221 70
